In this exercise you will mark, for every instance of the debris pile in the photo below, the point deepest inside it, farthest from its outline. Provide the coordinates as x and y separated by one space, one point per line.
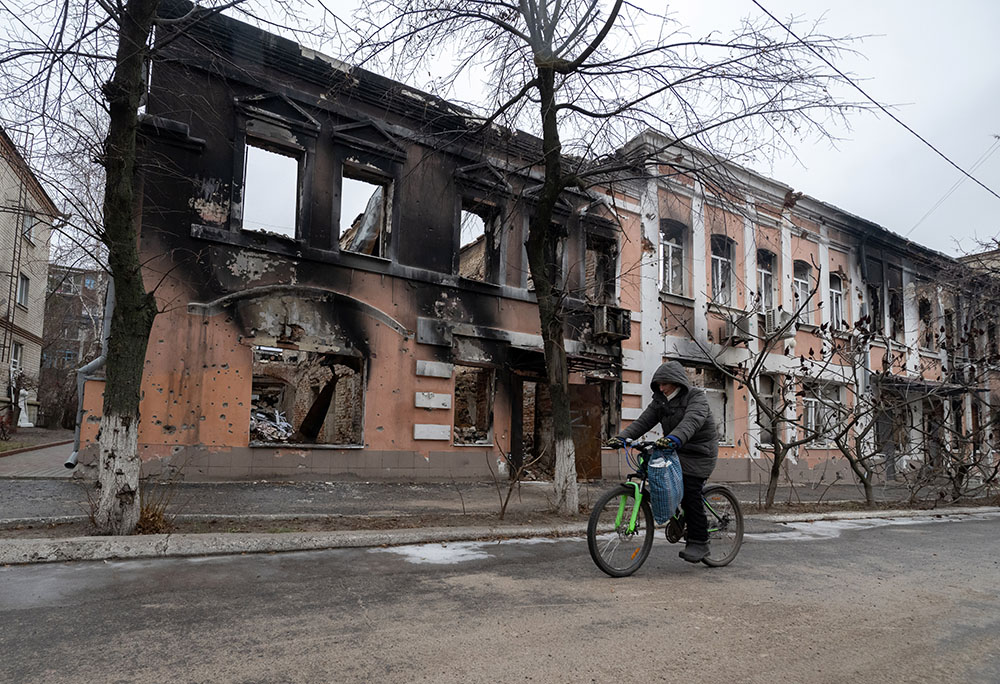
266 429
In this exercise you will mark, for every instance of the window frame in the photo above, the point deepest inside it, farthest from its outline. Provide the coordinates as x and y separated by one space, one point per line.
838 315
16 356
275 124
802 289
673 239
377 176
492 217
722 270
765 290
23 296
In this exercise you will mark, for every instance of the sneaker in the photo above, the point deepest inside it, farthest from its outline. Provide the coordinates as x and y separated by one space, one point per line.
695 552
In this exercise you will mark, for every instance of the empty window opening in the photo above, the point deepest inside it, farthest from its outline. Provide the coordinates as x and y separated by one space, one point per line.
875 317
927 337
306 397
896 321
365 211
599 270
473 405
477 253
270 191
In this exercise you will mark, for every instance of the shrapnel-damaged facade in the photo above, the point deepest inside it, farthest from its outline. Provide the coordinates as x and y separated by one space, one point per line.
339 263
342 277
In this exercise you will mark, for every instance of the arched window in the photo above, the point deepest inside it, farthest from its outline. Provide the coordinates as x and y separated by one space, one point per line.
722 270
801 290
765 279
672 239
837 314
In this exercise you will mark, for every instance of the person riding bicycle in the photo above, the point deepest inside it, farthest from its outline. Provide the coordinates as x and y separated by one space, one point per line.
689 428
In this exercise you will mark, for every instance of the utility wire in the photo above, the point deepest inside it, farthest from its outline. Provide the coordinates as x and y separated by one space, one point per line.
872 100
979 162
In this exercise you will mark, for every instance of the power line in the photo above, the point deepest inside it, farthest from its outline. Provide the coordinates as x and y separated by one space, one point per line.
872 100
979 162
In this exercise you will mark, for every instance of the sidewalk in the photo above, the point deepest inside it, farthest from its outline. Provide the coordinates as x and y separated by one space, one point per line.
44 518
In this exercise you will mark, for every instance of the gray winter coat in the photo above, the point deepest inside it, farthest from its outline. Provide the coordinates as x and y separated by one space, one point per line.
687 417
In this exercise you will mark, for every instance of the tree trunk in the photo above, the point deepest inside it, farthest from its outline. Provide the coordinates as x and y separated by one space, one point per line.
772 483
132 320
542 249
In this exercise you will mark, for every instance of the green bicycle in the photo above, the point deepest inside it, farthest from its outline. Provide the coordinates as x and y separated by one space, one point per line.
620 531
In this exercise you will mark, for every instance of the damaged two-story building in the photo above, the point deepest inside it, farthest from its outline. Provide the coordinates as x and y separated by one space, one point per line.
339 264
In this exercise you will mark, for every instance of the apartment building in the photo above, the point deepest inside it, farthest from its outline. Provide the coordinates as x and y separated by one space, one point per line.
26 217
718 280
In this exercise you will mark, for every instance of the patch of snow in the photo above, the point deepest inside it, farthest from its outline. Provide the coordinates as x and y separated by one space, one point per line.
831 529
439 554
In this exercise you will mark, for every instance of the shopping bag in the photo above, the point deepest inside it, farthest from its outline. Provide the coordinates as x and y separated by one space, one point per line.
666 484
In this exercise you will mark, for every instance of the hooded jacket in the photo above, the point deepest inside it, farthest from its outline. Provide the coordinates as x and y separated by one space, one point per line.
686 417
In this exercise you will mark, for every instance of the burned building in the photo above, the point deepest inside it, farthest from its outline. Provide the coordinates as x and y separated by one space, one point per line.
339 264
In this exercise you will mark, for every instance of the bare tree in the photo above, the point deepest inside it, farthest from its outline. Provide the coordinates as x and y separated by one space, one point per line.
587 77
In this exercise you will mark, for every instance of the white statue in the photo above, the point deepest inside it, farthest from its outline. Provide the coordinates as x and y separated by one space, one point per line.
22 420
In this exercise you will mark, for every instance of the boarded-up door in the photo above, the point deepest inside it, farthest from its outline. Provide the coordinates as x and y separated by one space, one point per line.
585 417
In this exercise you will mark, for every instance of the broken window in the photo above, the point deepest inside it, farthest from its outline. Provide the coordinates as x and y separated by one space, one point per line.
599 267
303 397
473 405
477 253
672 234
365 211
896 322
927 336
873 289
270 190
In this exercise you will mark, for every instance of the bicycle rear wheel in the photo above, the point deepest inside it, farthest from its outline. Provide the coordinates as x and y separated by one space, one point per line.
615 549
725 525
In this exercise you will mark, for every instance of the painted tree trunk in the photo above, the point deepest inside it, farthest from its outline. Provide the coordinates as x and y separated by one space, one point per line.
118 469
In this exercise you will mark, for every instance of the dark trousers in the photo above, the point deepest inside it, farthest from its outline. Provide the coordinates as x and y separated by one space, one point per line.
694 509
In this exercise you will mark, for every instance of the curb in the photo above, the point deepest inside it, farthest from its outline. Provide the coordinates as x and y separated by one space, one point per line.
34 447
30 551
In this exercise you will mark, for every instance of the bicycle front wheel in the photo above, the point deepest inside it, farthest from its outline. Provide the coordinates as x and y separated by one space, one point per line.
616 549
725 525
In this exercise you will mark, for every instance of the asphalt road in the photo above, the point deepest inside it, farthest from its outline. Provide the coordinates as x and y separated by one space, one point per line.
872 601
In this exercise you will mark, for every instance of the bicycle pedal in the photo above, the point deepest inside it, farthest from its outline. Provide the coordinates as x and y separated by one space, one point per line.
673 531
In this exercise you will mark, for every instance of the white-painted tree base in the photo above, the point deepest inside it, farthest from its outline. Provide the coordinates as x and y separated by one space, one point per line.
118 475
567 492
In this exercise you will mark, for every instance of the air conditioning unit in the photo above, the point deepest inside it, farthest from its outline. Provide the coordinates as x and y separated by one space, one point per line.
612 323
778 321
738 330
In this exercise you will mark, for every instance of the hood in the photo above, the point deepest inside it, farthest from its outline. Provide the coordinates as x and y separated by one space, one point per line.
672 372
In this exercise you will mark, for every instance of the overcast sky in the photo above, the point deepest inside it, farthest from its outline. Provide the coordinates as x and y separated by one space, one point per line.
938 65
